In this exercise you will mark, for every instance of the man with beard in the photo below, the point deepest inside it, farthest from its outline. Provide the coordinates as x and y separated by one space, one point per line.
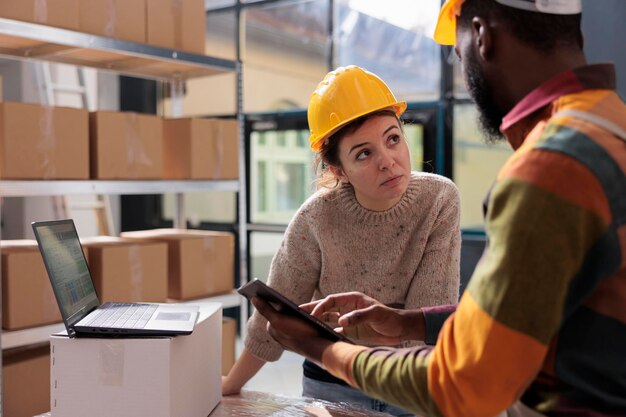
541 329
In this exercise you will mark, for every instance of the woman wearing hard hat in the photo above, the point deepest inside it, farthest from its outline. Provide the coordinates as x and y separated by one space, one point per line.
373 226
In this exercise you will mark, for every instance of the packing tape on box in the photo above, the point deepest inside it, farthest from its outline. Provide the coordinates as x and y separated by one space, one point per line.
111 19
136 273
47 144
208 276
218 150
111 363
177 13
135 154
40 12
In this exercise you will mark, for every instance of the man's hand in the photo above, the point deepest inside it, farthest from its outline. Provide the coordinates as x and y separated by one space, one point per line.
363 318
293 333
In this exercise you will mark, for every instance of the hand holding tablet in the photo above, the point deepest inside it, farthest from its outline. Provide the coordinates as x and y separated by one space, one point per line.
256 288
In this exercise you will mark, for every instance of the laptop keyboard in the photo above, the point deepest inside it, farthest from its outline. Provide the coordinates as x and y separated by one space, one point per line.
122 315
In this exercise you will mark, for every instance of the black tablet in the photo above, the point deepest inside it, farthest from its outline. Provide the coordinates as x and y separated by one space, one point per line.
256 288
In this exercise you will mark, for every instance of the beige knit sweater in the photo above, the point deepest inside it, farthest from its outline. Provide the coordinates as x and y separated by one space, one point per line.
406 255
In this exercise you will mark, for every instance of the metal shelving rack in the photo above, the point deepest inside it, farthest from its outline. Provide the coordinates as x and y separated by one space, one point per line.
29 41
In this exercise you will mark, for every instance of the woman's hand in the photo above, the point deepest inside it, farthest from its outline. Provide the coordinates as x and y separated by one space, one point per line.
363 318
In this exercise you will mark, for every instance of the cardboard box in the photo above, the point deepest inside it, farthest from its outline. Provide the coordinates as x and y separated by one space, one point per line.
200 263
201 149
40 142
119 19
27 296
125 377
177 24
26 381
126 145
58 13
127 270
229 338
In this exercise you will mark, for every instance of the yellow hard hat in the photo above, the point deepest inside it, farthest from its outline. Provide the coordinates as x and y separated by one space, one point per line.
445 31
344 95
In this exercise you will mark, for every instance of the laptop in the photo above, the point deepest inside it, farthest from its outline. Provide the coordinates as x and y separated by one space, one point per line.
74 290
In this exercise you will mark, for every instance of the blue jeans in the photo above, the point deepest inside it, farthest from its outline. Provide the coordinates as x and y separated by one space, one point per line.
344 394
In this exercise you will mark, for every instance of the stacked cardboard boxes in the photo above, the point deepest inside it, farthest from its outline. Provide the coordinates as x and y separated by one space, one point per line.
176 24
27 297
127 270
26 381
125 145
172 24
201 149
119 19
41 142
58 13
200 263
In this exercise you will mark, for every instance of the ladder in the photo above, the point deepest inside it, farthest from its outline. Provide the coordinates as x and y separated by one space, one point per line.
68 206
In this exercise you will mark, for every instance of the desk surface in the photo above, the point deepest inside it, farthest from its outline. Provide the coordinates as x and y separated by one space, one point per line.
253 404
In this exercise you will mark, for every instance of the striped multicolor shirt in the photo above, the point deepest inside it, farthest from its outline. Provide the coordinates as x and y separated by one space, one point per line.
543 319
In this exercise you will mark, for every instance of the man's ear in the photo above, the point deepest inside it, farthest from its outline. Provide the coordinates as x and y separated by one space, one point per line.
483 37
338 173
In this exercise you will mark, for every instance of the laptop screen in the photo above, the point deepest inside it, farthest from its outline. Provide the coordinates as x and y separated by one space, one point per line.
65 262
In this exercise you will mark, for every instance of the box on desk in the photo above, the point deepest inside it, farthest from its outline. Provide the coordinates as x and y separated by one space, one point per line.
127 270
42 142
200 263
27 297
130 377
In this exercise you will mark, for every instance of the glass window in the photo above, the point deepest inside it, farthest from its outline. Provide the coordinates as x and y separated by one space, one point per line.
220 43
217 4
263 246
414 134
290 188
284 53
458 84
262 186
221 28
393 39
208 207
476 165
282 175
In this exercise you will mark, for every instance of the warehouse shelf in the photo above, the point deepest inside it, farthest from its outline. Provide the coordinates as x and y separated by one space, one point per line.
33 41
30 41
18 338
52 187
